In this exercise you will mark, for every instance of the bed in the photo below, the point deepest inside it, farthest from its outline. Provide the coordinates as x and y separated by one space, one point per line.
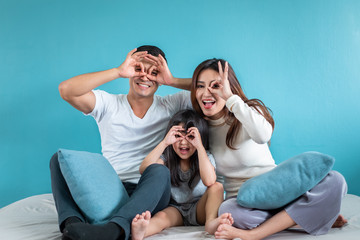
35 218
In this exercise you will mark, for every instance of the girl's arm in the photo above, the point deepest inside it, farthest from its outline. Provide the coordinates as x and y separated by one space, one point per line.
154 156
207 170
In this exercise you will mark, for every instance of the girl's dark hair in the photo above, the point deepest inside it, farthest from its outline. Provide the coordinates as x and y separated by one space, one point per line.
190 119
153 50
236 89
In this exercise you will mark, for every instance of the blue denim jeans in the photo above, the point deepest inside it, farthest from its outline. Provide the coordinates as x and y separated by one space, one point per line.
152 193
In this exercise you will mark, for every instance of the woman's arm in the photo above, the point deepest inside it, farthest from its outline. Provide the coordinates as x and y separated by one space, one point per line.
258 128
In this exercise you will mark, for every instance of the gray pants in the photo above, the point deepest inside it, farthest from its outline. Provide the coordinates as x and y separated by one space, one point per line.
315 211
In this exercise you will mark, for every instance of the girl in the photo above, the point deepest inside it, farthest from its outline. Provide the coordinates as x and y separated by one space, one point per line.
240 130
195 194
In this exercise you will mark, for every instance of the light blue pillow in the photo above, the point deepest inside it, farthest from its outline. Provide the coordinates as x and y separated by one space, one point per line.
286 182
93 183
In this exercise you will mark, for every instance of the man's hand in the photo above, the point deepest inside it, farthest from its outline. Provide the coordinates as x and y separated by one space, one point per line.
132 67
159 72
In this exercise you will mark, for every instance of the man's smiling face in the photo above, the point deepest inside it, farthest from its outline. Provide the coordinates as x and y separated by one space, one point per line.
142 86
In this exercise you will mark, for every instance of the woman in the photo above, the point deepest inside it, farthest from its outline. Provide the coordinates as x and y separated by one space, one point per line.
240 130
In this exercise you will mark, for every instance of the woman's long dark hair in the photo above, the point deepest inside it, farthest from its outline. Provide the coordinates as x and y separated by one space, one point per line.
190 119
236 89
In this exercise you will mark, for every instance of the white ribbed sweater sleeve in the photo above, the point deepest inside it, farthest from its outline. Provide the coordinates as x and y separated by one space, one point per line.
258 128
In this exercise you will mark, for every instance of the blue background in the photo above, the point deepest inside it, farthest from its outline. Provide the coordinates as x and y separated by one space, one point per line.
300 57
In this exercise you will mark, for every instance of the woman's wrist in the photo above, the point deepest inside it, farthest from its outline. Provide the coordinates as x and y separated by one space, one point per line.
231 101
227 96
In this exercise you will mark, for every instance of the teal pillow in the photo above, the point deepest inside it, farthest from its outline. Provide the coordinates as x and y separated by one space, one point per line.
286 182
93 183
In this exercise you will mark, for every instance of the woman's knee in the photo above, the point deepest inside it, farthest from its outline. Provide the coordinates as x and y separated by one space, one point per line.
227 206
337 181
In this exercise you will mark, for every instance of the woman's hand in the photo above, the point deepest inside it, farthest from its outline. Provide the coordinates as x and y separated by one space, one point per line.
222 86
132 67
194 137
174 135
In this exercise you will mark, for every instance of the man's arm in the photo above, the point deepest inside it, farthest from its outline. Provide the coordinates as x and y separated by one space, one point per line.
78 90
164 75
182 83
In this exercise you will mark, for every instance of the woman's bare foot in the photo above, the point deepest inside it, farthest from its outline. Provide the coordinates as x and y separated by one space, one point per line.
225 231
212 225
139 225
340 221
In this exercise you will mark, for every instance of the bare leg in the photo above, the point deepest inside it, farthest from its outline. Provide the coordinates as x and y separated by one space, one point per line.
143 226
207 209
277 223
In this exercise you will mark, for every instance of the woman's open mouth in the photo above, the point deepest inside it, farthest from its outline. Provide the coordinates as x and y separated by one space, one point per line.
208 103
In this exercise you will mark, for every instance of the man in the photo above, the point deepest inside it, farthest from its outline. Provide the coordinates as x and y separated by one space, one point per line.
130 126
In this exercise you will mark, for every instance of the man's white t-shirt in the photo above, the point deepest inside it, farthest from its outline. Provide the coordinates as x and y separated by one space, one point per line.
126 139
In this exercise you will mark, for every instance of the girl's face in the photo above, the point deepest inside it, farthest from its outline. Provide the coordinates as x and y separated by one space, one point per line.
183 148
212 106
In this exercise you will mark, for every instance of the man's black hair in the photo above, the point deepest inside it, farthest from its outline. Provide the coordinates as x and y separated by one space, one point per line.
155 51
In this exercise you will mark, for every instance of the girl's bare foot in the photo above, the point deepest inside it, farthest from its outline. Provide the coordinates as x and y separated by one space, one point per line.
139 225
212 225
340 221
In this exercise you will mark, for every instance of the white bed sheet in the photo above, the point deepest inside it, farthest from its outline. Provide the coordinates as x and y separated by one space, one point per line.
35 218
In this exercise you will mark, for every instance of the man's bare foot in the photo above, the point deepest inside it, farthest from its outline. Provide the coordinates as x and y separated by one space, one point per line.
340 221
225 231
139 225
212 225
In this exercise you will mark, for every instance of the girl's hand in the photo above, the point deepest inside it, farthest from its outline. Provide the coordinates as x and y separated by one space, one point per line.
132 67
222 87
160 71
194 137
174 135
